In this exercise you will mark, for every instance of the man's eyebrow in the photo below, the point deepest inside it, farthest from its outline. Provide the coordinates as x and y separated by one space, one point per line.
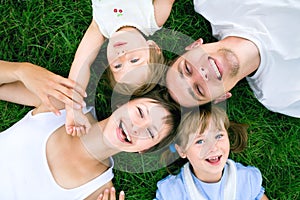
191 92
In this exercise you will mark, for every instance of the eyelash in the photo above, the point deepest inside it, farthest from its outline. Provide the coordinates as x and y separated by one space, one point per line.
140 112
118 66
150 133
134 60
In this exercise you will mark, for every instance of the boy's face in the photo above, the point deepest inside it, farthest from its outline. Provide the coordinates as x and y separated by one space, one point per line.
128 55
208 152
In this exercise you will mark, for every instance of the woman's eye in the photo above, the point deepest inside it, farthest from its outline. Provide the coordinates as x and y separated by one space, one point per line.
140 112
199 90
150 133
134 60
118 66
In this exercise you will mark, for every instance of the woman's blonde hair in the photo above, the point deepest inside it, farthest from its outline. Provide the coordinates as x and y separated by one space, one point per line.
157 69
196 121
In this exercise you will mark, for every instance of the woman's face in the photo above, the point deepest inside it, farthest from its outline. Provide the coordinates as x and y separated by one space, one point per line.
136 126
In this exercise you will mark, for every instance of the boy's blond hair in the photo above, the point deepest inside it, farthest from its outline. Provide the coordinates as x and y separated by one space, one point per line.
157 69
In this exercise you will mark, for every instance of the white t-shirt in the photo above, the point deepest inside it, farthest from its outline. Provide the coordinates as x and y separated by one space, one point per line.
24 170
111 15
273 27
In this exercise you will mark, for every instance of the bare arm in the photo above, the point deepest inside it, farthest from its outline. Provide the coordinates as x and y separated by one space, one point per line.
29 84
264 197
86 54
162 9
76 122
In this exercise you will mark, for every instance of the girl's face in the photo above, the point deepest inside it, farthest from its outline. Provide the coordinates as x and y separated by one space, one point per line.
136 126
128 56
208 152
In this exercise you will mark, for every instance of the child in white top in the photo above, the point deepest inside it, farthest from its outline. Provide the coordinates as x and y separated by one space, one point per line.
207 172
123 22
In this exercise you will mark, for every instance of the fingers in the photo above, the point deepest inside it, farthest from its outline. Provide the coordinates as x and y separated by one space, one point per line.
122 195
51 107
75 86
111 195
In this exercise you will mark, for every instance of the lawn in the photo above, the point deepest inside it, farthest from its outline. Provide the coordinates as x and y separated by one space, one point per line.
48 32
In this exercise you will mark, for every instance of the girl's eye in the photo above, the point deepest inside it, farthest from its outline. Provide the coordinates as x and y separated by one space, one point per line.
118 66
134 60
150 133
200 142
140 112
219 136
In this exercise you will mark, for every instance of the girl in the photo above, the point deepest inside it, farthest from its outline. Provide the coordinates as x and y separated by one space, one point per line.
207 172
40 161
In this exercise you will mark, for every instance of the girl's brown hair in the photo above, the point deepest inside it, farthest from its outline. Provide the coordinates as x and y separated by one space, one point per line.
197 120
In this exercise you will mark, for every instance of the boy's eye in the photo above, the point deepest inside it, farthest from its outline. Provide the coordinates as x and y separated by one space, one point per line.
118 66
140 112
134 60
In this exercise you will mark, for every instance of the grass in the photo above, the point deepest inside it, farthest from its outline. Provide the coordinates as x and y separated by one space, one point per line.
48 32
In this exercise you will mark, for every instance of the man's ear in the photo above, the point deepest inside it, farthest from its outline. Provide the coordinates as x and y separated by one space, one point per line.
180 151
225 96
195 44
153 44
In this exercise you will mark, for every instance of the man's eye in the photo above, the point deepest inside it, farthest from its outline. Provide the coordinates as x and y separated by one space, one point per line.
140 112
134 60
118 66
187 69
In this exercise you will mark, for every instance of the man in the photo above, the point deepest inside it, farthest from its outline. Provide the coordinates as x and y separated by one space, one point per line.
258 40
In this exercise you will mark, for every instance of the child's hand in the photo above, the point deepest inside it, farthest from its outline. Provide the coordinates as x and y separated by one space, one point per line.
111 195
44 84
77 124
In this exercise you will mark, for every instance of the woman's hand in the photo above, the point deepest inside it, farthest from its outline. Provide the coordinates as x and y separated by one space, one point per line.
45 84
110 194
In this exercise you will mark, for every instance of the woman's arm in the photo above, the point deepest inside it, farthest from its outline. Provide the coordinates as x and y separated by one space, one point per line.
29 84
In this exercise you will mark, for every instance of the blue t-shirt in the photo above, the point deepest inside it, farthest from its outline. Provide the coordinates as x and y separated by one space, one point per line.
249 185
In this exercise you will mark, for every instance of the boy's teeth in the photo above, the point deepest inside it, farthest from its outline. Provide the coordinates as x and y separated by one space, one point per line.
214 66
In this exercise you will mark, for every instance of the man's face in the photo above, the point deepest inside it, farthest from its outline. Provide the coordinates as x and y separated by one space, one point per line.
201 75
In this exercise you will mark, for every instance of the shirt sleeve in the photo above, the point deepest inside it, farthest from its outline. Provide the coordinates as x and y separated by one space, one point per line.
255 179
170 188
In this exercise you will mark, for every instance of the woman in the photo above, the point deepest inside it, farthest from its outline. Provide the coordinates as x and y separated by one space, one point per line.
41 161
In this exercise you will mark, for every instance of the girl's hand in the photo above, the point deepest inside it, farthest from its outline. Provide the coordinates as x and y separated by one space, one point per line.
111 195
